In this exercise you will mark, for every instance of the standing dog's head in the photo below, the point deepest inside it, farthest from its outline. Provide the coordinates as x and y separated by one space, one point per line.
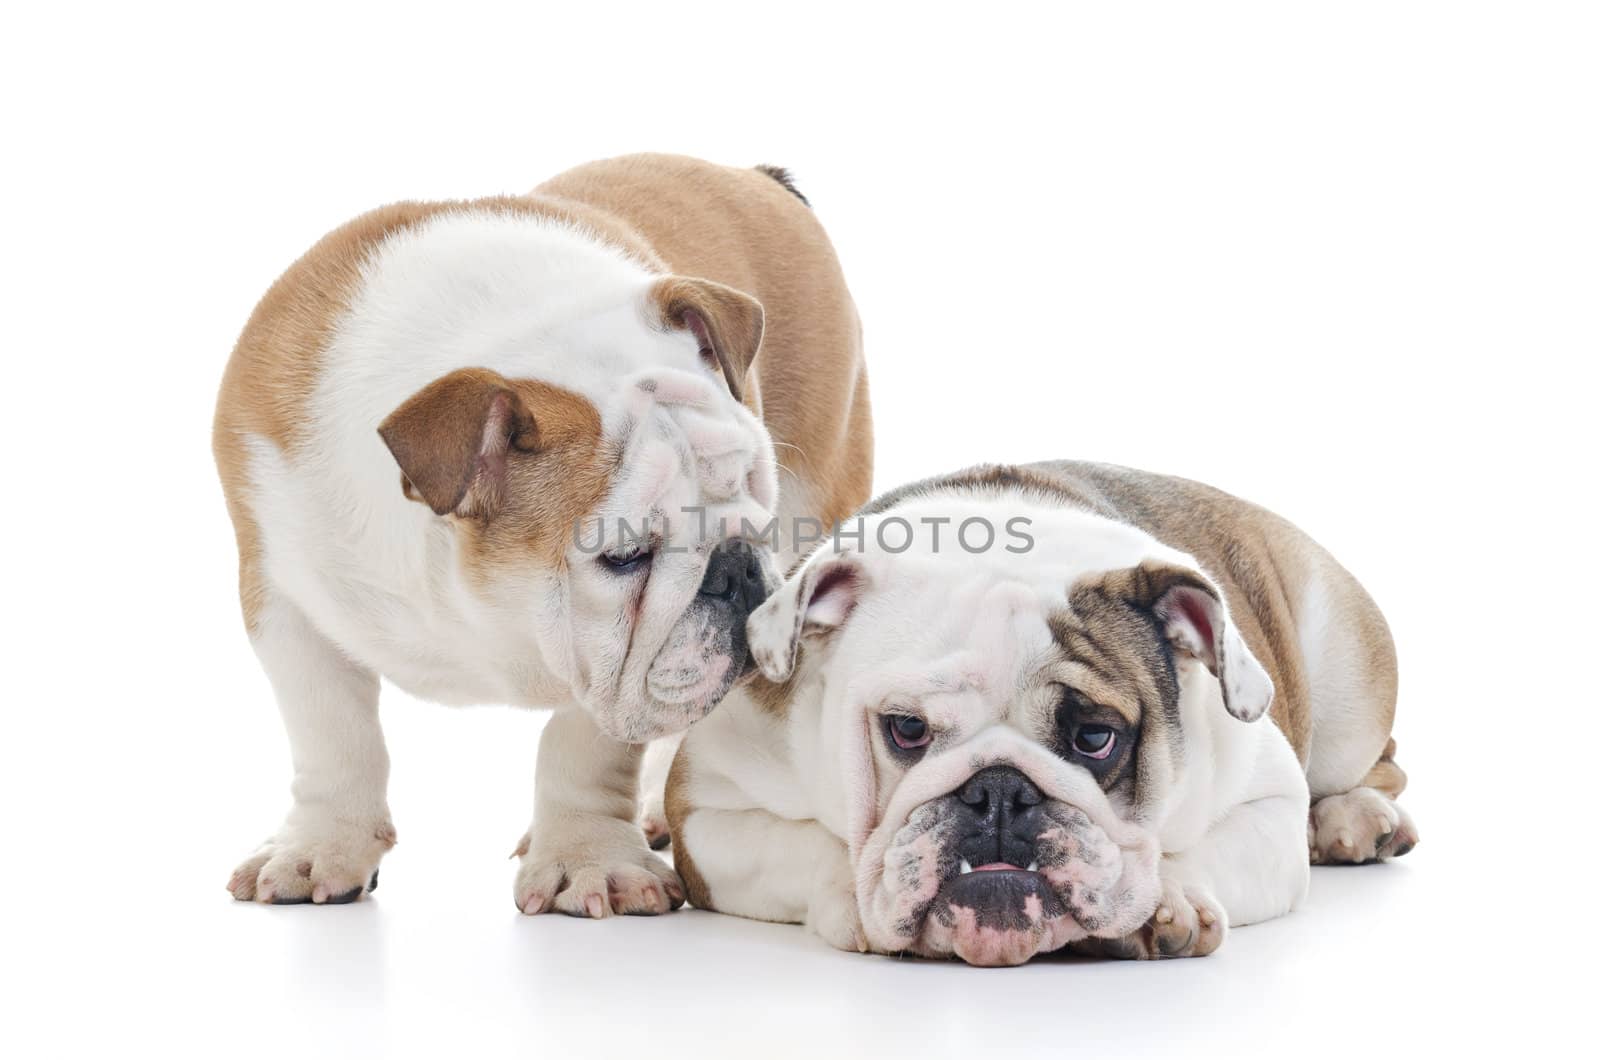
1003 725
604 520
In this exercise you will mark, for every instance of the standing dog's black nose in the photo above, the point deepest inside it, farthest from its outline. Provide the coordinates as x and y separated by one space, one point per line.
734 575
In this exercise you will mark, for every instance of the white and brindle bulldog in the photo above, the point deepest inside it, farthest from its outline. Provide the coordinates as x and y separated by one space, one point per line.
506 450
1017 708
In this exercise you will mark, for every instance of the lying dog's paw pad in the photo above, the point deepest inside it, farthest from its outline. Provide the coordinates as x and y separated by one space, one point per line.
1189 922
1195 924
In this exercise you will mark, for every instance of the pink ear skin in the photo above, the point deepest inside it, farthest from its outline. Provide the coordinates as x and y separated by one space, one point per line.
1187 614
814 602
1196 621
833 596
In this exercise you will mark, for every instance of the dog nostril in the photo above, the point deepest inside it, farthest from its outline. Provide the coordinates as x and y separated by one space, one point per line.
733 574
1000 788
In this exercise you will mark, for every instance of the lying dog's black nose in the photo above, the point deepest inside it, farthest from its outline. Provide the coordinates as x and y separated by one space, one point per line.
1000 801
1000 793
734 575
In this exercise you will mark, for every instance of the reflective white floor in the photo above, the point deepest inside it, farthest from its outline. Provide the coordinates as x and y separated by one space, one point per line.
439 962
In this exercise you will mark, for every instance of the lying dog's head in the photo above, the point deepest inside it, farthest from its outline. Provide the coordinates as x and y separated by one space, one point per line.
604 521
1004 726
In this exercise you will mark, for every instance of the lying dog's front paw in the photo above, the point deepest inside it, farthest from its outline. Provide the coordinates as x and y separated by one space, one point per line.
593 867
834 916
328 863
1189 922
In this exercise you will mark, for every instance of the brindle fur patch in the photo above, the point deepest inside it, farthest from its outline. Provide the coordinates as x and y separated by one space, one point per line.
1122 662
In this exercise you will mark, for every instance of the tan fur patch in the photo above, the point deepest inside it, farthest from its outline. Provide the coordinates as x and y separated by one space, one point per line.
772 698
1116 659
679 807
1386 776
556 473
455 436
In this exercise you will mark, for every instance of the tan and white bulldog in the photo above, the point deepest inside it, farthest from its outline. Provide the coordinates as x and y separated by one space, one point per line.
508 450
1017 708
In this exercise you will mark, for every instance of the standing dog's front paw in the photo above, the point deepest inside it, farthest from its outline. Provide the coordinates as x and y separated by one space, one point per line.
593 867
326 863
1189 922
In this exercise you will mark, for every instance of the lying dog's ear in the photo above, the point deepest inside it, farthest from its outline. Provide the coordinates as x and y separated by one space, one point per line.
816 600
1195 618
727 323
453 437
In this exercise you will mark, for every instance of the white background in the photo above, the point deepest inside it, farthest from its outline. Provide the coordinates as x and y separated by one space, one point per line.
1341 259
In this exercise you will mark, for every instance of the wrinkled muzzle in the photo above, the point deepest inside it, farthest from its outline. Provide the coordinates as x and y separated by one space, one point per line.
703 467
1006 865
706 650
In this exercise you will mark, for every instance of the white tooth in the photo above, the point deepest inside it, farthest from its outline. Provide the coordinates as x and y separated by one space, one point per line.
1033 866
966 866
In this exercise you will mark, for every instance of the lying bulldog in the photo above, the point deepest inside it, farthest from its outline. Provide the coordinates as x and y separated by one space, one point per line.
1020 707
503 451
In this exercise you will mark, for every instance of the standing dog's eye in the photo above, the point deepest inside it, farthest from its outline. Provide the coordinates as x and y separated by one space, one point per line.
625 562
908 731
1094 741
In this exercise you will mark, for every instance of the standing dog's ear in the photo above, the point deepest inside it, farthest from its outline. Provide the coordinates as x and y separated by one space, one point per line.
816 600
1195 619
727 323
453 437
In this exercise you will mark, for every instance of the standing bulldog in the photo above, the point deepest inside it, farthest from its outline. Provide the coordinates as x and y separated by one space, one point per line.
505 450
1020 707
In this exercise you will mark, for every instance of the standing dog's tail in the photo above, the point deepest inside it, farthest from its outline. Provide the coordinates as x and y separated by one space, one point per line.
784 177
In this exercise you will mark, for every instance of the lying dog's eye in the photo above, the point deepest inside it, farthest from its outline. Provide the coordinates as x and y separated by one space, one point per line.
1094 741
908 731
625 562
